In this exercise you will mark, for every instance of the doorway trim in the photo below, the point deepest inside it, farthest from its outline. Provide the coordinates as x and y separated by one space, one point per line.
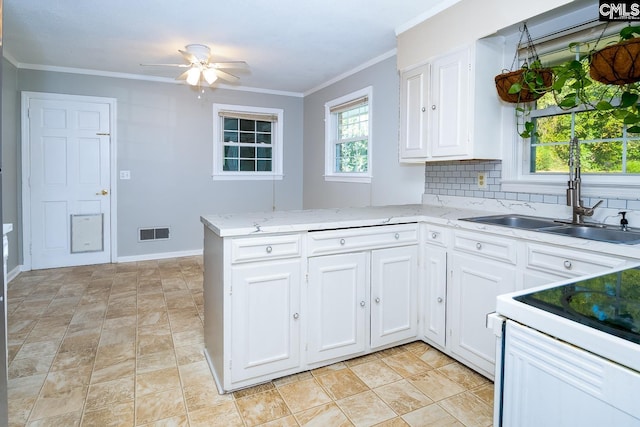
26 97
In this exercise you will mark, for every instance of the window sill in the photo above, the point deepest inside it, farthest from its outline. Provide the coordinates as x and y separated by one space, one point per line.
247 177
355 179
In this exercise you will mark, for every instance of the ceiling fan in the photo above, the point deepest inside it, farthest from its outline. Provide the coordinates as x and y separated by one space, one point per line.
200 68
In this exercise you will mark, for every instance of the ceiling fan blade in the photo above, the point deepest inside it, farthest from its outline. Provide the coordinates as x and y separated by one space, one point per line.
227 76
188 56
229 64
166 65
183 76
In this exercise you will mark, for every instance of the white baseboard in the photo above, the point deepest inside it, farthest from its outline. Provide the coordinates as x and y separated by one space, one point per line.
163 255
14 273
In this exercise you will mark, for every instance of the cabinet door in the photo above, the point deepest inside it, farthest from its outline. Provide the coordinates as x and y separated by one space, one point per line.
265 299
394 287
337 305
434 311
449 99
475 284
414 114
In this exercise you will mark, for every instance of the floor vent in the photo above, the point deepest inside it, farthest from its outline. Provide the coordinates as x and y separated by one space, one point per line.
146 234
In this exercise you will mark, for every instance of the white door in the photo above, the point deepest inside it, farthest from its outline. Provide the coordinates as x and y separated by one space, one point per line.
337 305
394 295
265 328
69 182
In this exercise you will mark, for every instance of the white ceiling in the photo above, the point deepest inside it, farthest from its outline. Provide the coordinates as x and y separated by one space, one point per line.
290 45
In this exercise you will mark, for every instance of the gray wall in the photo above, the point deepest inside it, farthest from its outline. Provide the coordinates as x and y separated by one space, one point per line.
11 208
392 183
164 137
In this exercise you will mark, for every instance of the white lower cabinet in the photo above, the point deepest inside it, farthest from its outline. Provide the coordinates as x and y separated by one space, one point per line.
265 326
475 284
336 301
361 301
434 299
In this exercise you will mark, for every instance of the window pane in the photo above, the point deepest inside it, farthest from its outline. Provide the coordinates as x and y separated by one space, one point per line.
601 157
247 165
633 157
597 125
247 152
248 138
264 153
353 123
264 165
351 157
263 126
231 137
248 125
230 165
230 151
230 124
263 138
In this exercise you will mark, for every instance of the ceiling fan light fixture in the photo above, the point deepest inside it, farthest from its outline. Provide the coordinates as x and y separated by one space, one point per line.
193 76
210 75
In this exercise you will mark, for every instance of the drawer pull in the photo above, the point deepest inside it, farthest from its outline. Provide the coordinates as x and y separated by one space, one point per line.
377 300
397 236
567 264
478 245
439 299
342 242
296 316
362 304
434 235
269 249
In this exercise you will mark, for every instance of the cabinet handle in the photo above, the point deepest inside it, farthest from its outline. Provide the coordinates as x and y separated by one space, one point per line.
439 299
377 300
478 246
269 249
397 236
433 107
567 264
296 315
362 304
342 241
424 109
434 235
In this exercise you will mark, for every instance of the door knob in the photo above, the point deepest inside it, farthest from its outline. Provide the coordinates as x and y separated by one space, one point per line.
102 193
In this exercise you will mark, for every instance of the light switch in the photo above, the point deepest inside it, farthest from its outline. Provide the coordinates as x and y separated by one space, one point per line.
125 174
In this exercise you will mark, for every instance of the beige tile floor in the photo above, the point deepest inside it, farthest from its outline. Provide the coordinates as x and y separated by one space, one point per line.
122 345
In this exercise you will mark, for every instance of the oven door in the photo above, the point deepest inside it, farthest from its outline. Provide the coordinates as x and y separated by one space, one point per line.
544 381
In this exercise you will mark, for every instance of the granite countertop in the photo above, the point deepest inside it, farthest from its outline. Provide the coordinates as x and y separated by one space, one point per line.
435 209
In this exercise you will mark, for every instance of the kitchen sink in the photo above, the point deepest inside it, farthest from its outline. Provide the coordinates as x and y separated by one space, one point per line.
514 221
610 235
597 232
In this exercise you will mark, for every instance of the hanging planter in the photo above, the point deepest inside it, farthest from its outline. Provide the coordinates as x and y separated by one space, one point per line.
617 64
527 83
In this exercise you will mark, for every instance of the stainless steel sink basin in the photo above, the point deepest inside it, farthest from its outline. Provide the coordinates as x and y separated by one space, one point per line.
610 235
600 233
514 221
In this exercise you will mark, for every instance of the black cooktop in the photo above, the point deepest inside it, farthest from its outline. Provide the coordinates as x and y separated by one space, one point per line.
610 303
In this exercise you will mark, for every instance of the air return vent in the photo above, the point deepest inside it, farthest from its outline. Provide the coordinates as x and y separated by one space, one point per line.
146 234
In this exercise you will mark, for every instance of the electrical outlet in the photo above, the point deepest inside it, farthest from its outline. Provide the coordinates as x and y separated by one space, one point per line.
125 174
482 180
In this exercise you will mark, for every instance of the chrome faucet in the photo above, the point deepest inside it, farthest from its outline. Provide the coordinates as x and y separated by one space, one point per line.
574 197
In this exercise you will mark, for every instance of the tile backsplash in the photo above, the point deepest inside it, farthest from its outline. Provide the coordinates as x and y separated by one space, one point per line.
459 178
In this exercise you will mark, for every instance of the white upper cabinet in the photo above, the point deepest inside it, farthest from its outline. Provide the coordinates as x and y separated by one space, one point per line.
448 106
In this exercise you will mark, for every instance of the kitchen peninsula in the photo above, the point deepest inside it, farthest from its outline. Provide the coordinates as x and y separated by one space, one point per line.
289 291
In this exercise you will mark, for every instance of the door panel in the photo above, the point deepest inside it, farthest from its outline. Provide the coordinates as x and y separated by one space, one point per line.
69 166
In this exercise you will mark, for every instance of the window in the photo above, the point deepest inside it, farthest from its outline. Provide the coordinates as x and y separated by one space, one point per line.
348 137
610 157
247 142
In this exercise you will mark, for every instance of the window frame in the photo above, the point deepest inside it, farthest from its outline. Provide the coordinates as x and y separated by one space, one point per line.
516 161
331 129
277 143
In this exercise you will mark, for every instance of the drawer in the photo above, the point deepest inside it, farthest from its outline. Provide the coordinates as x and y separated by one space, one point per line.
493 247
352 239
265 247
568 262
436 235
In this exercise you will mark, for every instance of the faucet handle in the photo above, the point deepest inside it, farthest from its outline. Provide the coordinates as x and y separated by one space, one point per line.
597 204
